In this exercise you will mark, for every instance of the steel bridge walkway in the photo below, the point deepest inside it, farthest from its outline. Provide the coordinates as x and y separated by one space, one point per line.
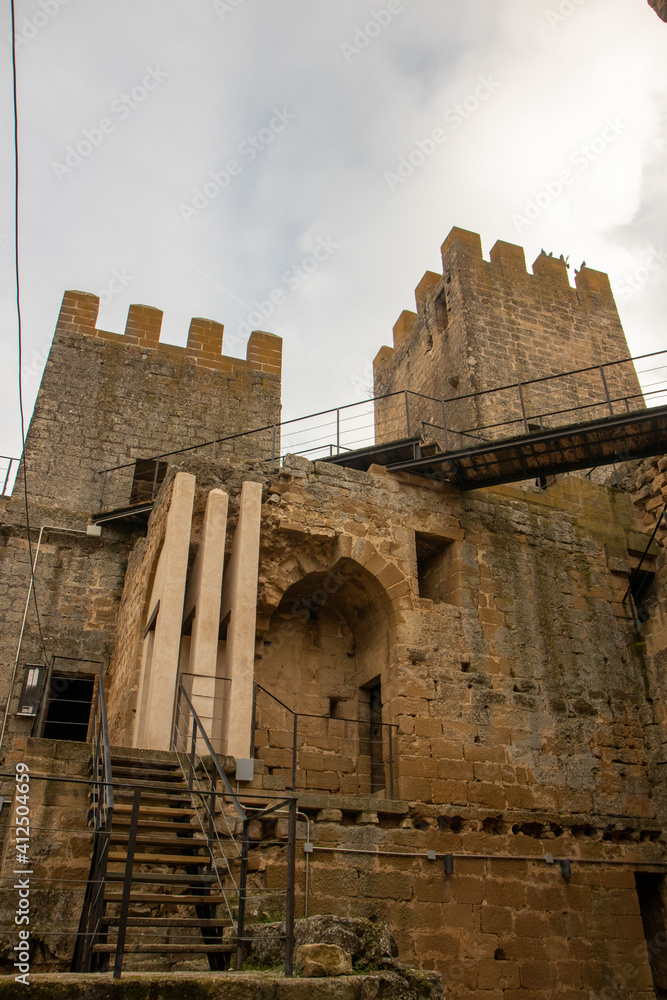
536 454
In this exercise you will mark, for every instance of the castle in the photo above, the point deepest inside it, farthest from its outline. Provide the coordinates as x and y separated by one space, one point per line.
460 687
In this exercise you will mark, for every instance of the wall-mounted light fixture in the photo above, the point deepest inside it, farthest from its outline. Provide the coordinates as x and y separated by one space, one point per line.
31 690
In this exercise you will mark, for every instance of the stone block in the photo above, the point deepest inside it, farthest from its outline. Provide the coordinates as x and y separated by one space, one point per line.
322 960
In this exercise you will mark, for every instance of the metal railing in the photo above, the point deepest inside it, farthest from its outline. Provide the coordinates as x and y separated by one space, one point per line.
218 812
101 815
8 469
526 422
225 825
637 602
321 752
523 406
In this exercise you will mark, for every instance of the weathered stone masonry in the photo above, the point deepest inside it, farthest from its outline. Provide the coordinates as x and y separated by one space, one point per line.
107 399
484 324
487 627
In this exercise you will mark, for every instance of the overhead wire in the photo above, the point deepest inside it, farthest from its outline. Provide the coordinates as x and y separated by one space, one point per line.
20 329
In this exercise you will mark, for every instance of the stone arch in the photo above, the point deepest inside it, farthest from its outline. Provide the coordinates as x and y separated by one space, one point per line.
329 644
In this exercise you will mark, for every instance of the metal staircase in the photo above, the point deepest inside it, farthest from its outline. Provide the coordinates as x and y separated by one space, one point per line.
170 859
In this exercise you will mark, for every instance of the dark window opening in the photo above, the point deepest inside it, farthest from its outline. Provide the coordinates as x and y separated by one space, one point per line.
650 887
148 477
68 712
333 707
434 566
371 733
441 316
641 588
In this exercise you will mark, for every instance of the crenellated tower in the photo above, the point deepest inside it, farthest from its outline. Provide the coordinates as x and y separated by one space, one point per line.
108 399
483 324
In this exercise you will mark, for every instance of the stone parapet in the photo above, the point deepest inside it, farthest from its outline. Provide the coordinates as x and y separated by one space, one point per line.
79 311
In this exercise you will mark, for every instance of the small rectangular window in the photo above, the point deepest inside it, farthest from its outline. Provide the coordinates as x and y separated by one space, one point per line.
68 713
641 588
434 566
148 477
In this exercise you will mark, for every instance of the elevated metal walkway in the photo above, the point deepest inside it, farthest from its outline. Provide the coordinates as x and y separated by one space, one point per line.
536 454
607 413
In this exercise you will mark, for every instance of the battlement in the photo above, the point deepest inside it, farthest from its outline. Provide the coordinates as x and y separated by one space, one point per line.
79 312
506 270
488 323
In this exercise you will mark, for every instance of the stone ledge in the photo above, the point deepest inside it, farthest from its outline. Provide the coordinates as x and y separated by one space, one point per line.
215 986
353 803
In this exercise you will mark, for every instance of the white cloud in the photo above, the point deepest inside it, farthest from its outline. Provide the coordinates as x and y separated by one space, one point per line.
324 176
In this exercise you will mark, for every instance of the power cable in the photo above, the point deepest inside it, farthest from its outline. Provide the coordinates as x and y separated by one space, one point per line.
20 328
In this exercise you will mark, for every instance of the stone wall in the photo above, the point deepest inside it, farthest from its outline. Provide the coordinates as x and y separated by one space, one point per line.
59 851
521 689
506 925
660 7
108 399
486 324
78 581
125 669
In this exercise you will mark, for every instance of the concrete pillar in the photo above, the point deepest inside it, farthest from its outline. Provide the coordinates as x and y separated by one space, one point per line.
203 598
160 673
239 600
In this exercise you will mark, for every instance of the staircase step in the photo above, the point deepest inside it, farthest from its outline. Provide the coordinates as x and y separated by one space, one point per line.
132 948
121 824
158 922
179 843
153 792
123 807
166 899
159 859
166 878
123 773
151 765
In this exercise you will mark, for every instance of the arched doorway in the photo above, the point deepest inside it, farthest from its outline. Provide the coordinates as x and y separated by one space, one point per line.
324 660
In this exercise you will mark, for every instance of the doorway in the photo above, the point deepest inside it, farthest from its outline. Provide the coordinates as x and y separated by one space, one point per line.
371 743
650 888
68 709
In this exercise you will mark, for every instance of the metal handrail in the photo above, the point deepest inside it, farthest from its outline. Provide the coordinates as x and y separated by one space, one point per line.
207 799
540 416
628 596
389 726
209 747
102 805
373 399
406 394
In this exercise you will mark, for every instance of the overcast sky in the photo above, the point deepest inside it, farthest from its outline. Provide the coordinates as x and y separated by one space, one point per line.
221 142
